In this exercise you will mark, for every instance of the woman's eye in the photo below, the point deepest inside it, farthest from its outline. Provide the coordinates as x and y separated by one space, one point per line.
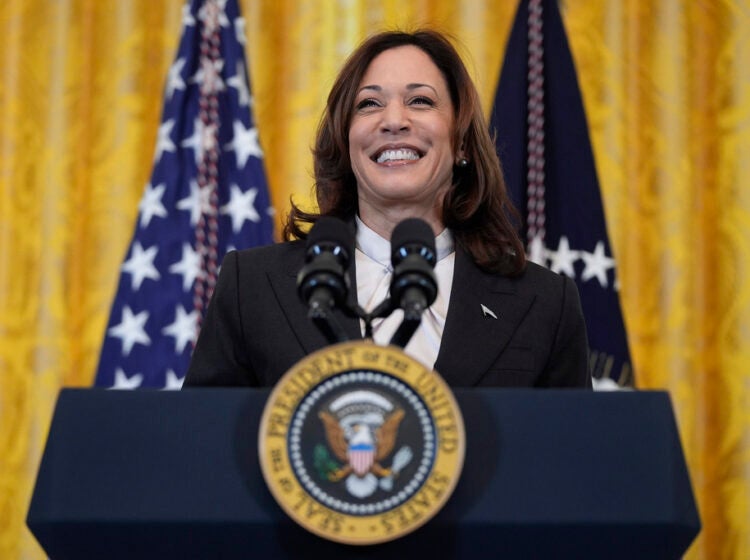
365 103
422 101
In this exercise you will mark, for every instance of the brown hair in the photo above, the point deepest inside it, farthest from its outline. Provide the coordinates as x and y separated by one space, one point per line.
476 208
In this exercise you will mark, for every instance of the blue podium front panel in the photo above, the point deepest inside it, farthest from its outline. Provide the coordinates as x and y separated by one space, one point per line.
548 473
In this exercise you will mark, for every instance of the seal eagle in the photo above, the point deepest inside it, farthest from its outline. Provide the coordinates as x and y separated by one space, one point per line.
380 440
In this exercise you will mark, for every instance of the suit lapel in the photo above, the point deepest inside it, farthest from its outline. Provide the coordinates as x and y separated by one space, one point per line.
283 282
473 339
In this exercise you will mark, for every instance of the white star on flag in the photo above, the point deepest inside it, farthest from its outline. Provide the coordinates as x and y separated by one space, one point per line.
187 16
201 140
189 266
244 143
239 82
183 328
537 251
241 207
562 260
597 264
122 381
212 13
140 265
131 330
173 383
209 76
163 141
198 202
151 205
239 29
174 78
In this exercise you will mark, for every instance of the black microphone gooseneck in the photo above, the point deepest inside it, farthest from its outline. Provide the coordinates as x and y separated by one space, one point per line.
414 285
323 283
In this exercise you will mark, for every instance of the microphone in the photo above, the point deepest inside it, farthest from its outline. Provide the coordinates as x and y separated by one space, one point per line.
414 285
323 283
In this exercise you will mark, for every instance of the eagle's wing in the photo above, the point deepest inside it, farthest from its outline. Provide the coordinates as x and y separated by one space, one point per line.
385 435
335 436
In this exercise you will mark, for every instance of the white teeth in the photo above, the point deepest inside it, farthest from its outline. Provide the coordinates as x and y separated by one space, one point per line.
396 155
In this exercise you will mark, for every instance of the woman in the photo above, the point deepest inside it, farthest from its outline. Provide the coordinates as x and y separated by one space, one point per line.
404 136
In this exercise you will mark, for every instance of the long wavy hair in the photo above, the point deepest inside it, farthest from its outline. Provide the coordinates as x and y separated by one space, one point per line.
476 208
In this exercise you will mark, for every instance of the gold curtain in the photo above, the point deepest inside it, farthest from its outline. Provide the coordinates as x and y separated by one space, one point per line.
667 93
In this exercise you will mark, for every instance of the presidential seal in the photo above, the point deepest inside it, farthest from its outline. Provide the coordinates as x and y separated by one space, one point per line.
361 444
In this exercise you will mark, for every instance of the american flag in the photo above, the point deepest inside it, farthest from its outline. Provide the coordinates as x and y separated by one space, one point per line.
544 146
207 195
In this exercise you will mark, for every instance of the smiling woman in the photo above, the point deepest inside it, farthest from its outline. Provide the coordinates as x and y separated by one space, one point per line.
404 136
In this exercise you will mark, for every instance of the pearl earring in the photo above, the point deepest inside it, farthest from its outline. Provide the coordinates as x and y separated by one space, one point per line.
462 162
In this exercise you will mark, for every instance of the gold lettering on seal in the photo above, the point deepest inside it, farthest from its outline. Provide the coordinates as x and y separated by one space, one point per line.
325 519
397 363
277 425
440 404
300 384
277 459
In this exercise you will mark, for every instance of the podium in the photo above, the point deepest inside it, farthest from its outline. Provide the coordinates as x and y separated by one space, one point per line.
547 474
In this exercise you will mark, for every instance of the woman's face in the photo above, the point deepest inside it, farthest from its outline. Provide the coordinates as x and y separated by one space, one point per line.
400 138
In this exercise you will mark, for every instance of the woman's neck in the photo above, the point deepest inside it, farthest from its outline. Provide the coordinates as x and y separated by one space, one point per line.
382 221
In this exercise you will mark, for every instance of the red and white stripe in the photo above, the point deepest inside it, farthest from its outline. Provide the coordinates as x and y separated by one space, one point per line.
361 459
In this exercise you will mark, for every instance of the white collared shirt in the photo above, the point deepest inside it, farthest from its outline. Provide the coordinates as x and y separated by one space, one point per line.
374 272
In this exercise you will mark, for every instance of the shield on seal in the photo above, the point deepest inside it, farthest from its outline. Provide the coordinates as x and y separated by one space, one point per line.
361 457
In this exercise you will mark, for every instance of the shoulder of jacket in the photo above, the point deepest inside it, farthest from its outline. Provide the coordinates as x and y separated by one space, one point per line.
272 250
541 277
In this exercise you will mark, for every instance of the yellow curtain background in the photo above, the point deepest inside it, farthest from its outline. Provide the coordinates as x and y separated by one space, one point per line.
666 87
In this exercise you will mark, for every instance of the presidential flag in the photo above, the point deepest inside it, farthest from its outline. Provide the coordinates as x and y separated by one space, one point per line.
207 195
543 143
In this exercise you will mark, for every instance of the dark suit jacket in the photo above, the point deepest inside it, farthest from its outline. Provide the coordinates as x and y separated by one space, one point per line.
256 327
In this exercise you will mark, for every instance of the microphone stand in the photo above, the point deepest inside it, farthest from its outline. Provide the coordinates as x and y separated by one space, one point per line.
327 323
407 328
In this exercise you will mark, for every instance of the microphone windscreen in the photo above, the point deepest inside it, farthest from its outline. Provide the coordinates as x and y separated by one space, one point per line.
331 232
412 232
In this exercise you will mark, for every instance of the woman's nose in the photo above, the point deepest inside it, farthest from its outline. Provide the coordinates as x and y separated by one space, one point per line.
395 118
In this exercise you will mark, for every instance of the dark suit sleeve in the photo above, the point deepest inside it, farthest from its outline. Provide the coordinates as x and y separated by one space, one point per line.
568 365
219 357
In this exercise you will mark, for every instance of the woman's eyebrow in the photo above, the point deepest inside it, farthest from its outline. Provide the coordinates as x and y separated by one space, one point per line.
409 87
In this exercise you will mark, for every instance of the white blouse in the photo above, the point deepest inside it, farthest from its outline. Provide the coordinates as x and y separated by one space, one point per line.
374 270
